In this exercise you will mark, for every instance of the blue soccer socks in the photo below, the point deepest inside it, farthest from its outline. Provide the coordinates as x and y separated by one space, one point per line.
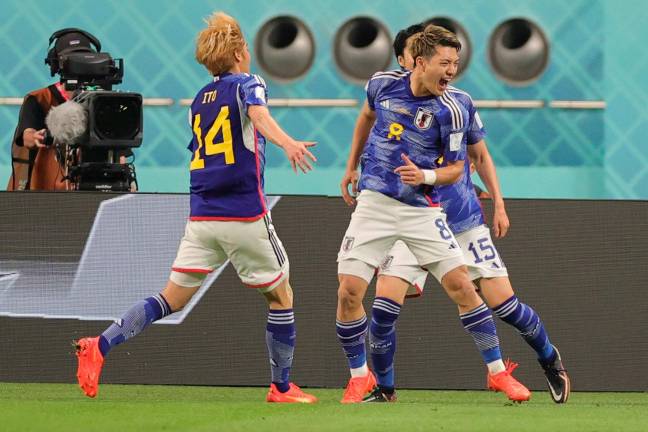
528 324
352 336
280 338
382 339
136 319
479 323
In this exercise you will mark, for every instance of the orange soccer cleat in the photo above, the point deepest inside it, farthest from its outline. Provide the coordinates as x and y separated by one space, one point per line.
90 363
358 387
293 395
505 382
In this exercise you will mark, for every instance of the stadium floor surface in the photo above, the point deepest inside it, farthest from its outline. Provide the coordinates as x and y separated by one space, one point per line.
62 407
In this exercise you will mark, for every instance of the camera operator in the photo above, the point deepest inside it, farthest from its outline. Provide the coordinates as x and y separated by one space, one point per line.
36 163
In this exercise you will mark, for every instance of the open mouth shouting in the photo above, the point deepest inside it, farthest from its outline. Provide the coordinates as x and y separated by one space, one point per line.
443 84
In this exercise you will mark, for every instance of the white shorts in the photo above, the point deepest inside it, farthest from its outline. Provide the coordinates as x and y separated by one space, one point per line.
254 249
481 256
401 263
379 221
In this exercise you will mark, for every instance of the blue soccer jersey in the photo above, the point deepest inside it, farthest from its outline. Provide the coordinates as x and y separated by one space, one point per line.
424 128
459 200
226 169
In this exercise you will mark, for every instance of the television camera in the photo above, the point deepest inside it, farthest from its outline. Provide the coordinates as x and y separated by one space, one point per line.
96 129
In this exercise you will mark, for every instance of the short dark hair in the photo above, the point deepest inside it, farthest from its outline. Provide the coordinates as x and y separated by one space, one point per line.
401 38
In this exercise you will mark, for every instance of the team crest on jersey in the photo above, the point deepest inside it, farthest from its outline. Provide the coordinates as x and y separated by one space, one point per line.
423 118
347 243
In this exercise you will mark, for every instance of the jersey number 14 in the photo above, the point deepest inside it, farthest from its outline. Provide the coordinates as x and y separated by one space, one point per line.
226 147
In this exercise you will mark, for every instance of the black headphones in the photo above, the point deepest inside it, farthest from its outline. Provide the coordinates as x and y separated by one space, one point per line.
52 58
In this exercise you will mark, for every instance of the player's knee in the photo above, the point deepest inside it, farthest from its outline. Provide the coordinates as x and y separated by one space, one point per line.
458 285
350 294
349 299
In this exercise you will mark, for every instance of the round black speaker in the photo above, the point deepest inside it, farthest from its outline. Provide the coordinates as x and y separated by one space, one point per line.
285 48
518 51
362 47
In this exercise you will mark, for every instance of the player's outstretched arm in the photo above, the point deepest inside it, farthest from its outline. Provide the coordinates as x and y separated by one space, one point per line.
485 167
364 123
296 151
412 175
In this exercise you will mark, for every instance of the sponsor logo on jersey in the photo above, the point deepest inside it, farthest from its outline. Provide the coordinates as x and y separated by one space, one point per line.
423 118
402 110
385 104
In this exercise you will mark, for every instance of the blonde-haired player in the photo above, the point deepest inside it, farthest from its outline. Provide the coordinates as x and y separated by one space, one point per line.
229 218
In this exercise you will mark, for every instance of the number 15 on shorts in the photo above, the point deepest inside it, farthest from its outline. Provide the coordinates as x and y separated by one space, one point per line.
482 250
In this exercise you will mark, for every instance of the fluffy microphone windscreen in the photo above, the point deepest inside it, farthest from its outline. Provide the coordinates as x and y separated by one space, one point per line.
67 122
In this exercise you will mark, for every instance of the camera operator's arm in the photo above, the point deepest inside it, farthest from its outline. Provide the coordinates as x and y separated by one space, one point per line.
32 138
30 131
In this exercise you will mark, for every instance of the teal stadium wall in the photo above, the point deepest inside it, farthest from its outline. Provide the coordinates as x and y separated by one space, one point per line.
597 53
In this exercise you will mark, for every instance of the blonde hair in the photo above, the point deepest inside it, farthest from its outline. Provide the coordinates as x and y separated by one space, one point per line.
424 44
217 43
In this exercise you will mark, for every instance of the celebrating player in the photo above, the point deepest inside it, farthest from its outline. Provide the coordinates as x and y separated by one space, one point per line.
229 218
401 274
465 218
408 123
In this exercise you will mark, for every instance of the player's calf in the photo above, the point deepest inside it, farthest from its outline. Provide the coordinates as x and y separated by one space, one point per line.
382 339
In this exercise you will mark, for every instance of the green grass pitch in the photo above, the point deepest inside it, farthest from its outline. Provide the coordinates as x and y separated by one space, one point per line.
62 407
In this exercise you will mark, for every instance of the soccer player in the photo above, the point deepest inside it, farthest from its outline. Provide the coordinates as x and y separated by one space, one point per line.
401 273
229 218
408 122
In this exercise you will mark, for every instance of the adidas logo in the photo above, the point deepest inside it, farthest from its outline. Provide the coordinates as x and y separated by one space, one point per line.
385 104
